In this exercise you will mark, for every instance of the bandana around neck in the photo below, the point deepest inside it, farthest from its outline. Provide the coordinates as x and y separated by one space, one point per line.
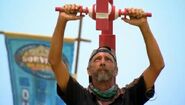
104 95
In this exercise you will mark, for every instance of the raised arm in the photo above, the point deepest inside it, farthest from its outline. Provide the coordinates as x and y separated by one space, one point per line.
154 54
55 55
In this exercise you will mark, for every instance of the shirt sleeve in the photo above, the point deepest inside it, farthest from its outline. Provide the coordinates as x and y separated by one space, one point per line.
74 92
138 93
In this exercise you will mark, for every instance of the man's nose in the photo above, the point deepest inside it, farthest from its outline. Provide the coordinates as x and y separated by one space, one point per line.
102 63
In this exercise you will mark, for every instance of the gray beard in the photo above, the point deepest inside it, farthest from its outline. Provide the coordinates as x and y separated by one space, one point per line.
103 75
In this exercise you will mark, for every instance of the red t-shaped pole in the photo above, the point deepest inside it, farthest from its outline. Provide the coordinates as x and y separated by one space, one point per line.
104 12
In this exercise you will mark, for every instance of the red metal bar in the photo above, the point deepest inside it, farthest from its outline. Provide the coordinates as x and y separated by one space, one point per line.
107 40
86 11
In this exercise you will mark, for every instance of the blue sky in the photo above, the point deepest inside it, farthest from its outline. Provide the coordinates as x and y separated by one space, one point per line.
167 24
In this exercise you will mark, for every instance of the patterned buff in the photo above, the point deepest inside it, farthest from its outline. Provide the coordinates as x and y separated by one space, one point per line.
105 95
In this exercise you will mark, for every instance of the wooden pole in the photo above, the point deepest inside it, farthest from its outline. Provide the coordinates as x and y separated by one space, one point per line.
78 47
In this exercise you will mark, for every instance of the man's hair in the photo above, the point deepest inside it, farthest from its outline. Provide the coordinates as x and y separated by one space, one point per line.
105 49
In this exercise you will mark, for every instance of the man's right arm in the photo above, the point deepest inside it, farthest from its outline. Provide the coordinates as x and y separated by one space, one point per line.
55 55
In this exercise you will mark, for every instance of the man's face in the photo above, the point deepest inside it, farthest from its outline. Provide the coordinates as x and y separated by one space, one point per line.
102 67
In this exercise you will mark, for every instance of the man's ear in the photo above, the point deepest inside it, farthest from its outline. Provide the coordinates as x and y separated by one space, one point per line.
88 71
116 71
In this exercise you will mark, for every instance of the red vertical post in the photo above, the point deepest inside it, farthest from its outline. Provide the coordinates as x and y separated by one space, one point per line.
107 38
102 15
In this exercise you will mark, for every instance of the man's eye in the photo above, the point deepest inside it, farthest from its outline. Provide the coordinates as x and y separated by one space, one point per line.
97 59
108 59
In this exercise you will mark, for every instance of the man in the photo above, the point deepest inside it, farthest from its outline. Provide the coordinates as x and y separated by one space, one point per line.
102 67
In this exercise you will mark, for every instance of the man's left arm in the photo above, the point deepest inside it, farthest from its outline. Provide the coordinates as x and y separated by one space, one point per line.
151 73
154 54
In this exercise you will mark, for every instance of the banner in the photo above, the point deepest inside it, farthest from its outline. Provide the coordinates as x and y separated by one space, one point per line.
32 80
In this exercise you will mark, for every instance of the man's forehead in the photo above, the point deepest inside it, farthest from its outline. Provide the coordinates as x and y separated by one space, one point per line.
103 54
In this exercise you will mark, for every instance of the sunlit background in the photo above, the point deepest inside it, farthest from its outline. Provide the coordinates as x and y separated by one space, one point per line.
167 24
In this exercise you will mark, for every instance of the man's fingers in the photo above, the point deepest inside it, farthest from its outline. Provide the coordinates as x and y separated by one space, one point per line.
71 8
126 20
77 18
135 13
